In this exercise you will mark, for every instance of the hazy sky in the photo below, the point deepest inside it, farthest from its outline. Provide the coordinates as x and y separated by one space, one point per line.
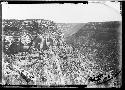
62 13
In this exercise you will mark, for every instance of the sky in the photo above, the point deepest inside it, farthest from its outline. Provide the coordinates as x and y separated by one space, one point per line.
63 13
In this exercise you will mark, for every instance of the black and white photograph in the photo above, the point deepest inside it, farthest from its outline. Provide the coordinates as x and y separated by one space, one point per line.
62 45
